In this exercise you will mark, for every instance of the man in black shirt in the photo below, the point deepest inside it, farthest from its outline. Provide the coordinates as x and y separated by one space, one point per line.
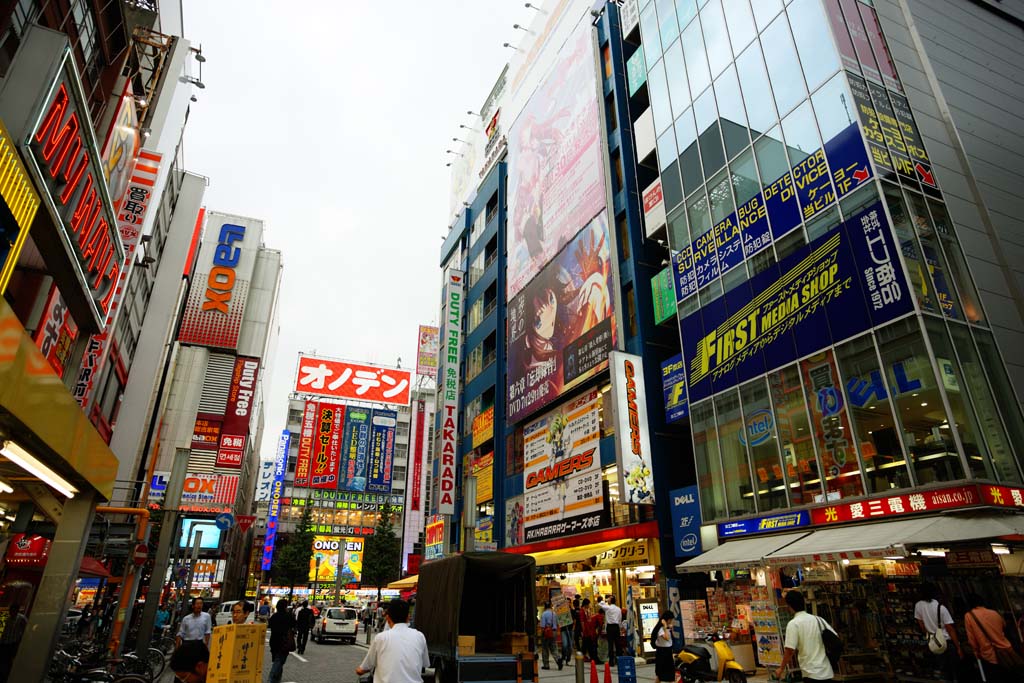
282 639
303 625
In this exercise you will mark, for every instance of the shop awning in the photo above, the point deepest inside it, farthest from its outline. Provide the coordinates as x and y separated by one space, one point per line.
739 553
895 539
92 567
577 553
407 583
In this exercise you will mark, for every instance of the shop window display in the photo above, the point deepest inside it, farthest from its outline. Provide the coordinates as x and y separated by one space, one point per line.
709 466
735 466
762 442
795 437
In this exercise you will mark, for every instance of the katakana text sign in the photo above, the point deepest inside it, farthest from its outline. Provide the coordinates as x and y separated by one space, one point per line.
353 381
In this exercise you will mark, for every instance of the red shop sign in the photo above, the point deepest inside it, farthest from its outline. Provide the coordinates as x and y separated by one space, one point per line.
28 551
894 506
1002 496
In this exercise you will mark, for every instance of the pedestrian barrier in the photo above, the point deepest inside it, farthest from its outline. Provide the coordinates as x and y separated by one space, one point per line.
593 671
607 672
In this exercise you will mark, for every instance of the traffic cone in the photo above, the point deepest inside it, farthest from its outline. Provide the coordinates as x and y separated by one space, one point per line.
607 673
593 671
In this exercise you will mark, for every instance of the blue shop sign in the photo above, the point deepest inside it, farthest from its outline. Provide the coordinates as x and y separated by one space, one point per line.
685 521
761 525
673 385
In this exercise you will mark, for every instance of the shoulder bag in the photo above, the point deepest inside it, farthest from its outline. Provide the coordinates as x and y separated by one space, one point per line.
1007 657
938 641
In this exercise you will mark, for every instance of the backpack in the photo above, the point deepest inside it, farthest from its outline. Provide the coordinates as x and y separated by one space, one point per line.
833 644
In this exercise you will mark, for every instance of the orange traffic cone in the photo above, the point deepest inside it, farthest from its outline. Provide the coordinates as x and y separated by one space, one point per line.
607 673
593 671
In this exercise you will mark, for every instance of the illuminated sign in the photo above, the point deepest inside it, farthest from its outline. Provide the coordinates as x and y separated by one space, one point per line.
362 382
483 427
416 483
685 511
636 478
306 435
451 345
381 451
221 280
673 386
757 525
896 505
758 428
20 199
198 488
276 491
434 538
326 450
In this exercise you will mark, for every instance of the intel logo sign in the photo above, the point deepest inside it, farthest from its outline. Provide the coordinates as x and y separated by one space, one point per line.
688 543
758 428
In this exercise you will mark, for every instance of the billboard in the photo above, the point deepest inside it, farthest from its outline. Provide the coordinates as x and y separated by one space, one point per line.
664 296
426 351
353 381
514 532
415 485
839 285
122 144
57 331
355 442
303 461
216 300
561 327
382 451
434 538
483 469
450 350
323 562
556 182
632 435
234 431
483 427
206 432
562 470
276 490
198 489
673 386
326 449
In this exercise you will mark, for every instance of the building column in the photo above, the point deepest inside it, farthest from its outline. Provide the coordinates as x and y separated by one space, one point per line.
51 601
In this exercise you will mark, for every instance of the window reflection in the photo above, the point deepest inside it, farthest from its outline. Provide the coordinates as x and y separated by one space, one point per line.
813 41
699 215
678 234
955 261
801 133
1006 400
667 26
708 132
732 117
744 177
756 93
709 467
736 468
649 31
794 432
657 86
921 283
771 156
716 37
696 59
741 23
666 149
783 67
685 11
945 293
833 107
689 155
675 71
721 197
763 444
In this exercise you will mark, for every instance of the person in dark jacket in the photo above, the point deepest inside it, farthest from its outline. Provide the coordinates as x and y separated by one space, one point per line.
303 625
281 625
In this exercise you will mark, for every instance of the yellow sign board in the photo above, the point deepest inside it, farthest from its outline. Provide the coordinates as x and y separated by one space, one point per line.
20 198
634 554
236 654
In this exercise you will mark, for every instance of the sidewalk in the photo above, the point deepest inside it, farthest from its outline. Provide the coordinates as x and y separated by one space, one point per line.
644 674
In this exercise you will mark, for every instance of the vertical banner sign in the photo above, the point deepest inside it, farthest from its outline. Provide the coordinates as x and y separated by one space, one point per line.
452 346
57 331
306 436
673 385
426 351
415 484
235 429
382 451
354 444
685 521
636 481
326 446
434 538
276 491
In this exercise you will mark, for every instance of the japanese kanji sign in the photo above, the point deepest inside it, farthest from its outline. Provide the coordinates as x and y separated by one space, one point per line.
353 381
306 436
448 384
354 445
904 504
381 451
235 429
416 483
206 433
326 446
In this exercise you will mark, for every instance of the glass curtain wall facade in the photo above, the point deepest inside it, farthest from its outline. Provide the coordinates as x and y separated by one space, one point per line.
778 123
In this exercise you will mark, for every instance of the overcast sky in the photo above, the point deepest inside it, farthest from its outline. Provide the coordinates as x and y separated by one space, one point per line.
330 123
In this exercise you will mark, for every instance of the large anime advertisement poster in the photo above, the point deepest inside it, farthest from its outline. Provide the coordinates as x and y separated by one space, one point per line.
561 327
556 178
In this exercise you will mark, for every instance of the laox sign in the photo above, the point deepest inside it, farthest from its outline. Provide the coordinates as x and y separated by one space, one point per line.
221 281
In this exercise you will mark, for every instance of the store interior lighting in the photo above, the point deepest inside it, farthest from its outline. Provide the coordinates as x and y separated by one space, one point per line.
931 552
998 549
5 487
30 464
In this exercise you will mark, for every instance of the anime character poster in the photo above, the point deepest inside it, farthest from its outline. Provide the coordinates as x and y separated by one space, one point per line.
514 530
561 327
556 178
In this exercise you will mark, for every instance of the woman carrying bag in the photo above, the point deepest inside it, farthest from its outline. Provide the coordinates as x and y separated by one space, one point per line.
661 639
986 634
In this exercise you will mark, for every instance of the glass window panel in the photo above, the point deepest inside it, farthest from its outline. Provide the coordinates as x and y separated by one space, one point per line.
734 277
709 467
741 23
689 155
696 59
710 293
763 445
919 411
801 134
710 136
716 37
649 33
824 222
657 86
675 71
686 10
920 283
744 177
731 116
721 197
667 151
783 66
874 427
790 243
699 215
1006 399
765 11
945 292
955 262
795 438
757 95
678 233
831 424
984 404
761 261
667 26
671 186
771 156
690 305
736 467
833 108
813 41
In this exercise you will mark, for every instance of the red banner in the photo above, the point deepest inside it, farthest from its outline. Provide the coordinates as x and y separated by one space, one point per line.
1003 496
306 436
235 429
326 449
206 433
894 506
354 381
417 457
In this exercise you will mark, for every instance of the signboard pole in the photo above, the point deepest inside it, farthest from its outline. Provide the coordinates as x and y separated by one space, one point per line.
168 534
194 558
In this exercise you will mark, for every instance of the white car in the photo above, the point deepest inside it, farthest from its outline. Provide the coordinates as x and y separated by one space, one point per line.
339 623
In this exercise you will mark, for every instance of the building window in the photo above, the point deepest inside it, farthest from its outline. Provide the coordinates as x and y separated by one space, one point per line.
794 431
474 362
762 442
735 466
631 311
709 466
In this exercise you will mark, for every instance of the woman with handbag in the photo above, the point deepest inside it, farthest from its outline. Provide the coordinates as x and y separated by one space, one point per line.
661 639
986 634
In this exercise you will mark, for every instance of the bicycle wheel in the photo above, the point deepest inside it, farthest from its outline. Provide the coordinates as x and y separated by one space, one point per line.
157 661
166 644
131 678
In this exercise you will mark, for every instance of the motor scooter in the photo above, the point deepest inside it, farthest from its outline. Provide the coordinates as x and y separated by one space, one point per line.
712 660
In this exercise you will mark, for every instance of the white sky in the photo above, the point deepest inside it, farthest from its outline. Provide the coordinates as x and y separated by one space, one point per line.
329 120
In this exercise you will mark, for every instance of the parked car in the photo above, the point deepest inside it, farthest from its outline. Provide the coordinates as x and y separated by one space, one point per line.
340 623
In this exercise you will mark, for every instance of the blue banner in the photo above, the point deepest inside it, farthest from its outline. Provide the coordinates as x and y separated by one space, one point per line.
276 491
354 445
843 283
382 451
685 521
673 385
769 523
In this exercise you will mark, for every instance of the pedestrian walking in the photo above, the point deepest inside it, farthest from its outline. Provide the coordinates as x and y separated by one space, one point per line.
240 611
163 618
84 621
548 629
263 614
190 661
613 628
986 633
303 625
804 640
10 639
661 640
577 634
589 632
399 654
196 625
565 655
935 621
282 639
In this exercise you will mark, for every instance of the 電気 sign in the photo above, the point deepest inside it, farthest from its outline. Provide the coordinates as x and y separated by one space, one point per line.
673 386
632 435
562 471
901 504
451 348
353 381
839 285
276 492
234 431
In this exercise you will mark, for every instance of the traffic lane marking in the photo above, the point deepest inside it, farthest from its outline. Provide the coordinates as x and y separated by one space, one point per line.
299 657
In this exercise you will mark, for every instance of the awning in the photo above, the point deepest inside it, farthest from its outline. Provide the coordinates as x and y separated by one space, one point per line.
892 539
739 553
577 553
92 567
407 583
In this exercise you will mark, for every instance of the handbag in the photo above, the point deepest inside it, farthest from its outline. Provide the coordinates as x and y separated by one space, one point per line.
549 633
938 641
289 640
1006 657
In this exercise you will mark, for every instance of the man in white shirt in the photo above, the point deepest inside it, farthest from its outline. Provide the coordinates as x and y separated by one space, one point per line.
929 612
803 640
399 654
195 626
613 627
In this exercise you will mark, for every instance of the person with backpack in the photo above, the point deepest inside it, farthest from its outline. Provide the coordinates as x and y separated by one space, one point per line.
935 621
661 640
806 638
